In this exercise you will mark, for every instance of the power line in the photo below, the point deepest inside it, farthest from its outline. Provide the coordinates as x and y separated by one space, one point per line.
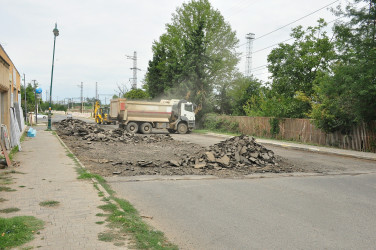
284 26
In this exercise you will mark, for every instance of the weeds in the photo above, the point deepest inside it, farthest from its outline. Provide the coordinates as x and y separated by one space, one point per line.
6 189
16 231
49 203
9 210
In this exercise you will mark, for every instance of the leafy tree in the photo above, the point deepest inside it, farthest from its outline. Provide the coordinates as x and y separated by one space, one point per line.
244 90
347 96
30 97
138 94
197 50
295 68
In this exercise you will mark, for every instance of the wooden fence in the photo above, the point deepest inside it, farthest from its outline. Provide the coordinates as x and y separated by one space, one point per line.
361 138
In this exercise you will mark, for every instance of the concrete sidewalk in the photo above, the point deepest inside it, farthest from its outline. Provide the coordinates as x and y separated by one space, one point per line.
47 173
318 149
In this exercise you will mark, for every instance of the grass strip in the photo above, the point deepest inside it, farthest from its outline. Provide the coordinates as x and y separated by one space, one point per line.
18 230
126 219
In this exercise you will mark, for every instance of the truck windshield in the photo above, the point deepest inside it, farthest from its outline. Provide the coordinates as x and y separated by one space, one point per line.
188 107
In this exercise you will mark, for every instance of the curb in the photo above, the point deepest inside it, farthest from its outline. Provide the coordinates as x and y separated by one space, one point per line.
102 189
296 147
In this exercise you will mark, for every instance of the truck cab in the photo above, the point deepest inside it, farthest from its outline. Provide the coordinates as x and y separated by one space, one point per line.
183 118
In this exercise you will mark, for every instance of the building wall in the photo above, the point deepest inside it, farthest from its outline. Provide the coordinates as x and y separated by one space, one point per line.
9 86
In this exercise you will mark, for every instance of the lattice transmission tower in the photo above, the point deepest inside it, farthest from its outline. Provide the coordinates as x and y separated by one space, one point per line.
134 68
248 63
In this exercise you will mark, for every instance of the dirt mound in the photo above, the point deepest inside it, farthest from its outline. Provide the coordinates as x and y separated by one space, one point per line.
237 152
92 132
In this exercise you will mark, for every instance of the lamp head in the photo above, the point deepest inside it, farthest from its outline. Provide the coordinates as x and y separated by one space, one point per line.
56 31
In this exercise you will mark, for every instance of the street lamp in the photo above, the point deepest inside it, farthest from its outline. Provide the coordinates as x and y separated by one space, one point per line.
56 33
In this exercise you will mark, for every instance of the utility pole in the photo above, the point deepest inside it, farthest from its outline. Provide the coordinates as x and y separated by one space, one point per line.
35 97
134 58
248 63
25 99
82 97
96 91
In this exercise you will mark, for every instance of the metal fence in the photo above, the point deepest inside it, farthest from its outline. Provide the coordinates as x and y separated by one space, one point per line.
361 137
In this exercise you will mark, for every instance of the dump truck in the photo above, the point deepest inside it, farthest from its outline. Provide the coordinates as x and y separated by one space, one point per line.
141 116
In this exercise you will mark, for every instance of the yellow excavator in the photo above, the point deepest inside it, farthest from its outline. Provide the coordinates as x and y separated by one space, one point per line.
102 115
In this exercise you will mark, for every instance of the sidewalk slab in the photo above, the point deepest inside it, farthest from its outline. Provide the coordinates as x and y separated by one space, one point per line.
318 149
47 173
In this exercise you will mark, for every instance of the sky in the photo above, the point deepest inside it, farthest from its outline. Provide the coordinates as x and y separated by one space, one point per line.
97 35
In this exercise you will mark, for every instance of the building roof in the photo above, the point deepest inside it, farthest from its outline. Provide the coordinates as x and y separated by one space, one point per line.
14 66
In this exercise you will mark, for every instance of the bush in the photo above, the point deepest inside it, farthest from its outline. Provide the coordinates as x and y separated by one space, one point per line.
221 124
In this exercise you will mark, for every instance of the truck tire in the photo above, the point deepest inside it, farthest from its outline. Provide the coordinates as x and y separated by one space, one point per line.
171 131
132 127
146 128
182 128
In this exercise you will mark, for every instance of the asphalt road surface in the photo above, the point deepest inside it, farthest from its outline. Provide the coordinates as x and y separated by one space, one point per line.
333 209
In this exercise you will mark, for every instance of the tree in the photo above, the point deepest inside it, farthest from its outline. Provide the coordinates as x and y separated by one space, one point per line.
295 68
243 90
197 50
347 96
137 94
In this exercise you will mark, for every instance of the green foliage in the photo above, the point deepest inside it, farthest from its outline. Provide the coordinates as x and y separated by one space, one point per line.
137 94
194 55
16 231
347 96
296 67
214 122
244 91
274 126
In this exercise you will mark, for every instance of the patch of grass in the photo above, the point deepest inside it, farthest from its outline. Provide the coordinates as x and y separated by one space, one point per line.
18 230
6 189
101 215
2 199
100 194
109 207
9 210
13 152
100 222
22 186
109 236
4 180
49 203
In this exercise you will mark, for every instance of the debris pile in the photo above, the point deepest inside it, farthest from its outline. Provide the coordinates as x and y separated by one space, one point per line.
235 153
92 132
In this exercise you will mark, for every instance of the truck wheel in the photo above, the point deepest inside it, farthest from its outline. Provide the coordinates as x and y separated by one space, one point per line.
146 128
182 128
171 131
132 127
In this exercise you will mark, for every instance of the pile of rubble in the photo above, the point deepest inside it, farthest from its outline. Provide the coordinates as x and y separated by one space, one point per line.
92 132
237 152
